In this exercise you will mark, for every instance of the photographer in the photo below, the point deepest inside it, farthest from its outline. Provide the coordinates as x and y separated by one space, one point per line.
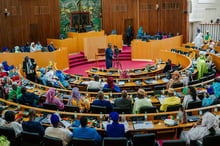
29 66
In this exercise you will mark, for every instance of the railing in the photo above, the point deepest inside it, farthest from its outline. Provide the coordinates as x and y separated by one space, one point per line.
214 30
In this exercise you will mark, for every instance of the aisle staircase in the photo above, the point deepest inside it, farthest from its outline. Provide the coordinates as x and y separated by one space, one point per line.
79 59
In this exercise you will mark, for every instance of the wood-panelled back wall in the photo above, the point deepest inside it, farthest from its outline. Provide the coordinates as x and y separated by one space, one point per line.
29 20
171 16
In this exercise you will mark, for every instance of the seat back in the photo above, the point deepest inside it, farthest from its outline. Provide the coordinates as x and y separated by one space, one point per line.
101 50
93 89
121 110
116 141
97 109
144 139
177 85
50 106
211 140
30 138
51 141
148 109
173 107
8 132
70 108
194 104
174 143
160 87
83 142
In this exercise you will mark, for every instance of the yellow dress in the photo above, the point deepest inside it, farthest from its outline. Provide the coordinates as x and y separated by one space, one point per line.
169 101
82 104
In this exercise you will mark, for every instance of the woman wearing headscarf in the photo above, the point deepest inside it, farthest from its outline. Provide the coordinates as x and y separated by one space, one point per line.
17 49
201 65
208 124
216 89
6 66
50 98
140 32
5 50
175 79
110 85
33 47
62 82
42 77
191 96
76 100
115 129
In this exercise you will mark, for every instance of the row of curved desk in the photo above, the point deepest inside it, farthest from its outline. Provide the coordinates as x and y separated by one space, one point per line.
158 125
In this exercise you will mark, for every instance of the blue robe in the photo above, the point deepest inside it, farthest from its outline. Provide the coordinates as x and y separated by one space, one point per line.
108 57
6 67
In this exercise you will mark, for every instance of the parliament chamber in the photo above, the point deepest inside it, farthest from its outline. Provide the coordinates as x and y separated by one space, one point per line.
107 73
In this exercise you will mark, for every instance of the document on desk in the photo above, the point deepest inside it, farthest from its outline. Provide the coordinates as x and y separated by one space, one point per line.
105 123
143 125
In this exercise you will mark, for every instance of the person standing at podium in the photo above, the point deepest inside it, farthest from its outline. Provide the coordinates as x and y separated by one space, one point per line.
109 56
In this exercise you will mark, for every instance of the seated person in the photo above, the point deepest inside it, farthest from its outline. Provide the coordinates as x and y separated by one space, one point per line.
6 67
33 47
5 50
216 89
175 79
102 102
95 83
191 96
32 125
115 129
86 132
28 98
51 47
187 78
123 102
27 47
76 100
15 93
170 100
50 98
207 125
209 61
50 76
9 122
61 80
209 97
17 49
58 130
141 102
43 77
38 46
110 85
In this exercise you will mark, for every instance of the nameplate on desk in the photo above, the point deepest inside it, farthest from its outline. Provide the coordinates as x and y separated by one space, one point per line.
143 125
121 83
165 80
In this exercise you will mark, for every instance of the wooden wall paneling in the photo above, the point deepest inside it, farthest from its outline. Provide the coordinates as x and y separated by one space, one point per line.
18 28
169 18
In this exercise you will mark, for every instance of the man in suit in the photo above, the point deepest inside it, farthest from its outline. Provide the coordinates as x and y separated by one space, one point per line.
123 102
108 56
29 66
51 48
